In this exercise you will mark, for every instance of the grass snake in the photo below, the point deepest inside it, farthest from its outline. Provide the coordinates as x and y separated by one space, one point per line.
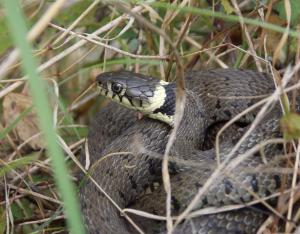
126 176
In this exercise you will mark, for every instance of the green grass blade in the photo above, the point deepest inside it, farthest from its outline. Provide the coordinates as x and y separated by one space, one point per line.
225 17
16 164
17 26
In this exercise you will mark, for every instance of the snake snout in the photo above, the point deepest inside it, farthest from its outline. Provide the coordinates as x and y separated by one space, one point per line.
102 80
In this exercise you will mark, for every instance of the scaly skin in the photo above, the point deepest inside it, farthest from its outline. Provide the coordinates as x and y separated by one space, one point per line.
125 177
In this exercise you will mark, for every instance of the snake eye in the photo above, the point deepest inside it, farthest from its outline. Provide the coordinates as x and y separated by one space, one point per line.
116 87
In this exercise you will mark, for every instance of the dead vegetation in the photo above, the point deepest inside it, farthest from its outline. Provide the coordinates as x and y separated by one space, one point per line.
75 41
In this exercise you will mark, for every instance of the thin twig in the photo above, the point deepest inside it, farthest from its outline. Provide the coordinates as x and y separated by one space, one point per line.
245 29
92 39
71 49
35 31
294 181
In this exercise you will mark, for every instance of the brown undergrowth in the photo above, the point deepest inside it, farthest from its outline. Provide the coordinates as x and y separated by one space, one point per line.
160 39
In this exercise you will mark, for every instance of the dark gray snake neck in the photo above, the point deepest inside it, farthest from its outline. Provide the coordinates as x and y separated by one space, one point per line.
125 177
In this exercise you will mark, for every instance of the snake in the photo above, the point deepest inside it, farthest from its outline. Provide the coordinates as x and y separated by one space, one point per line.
128 137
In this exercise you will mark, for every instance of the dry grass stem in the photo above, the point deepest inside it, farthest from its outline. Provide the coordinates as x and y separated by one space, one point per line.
245 29
284 37
42 220
70 50
73 25
35 194
210 210
35 31
294 181
93 38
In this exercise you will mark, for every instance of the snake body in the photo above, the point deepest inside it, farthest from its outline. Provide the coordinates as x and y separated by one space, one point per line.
125 177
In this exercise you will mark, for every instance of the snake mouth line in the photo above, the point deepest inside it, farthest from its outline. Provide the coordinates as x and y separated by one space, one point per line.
102 91
115 97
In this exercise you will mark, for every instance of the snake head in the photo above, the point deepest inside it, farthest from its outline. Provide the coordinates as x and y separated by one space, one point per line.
135 91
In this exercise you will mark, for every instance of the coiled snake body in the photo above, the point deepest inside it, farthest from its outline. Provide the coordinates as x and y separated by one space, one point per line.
126 176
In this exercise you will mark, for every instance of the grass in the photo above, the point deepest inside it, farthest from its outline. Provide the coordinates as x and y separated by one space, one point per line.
59 72
37 86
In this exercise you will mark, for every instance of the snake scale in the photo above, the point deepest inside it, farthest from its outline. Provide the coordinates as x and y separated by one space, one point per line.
126 176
